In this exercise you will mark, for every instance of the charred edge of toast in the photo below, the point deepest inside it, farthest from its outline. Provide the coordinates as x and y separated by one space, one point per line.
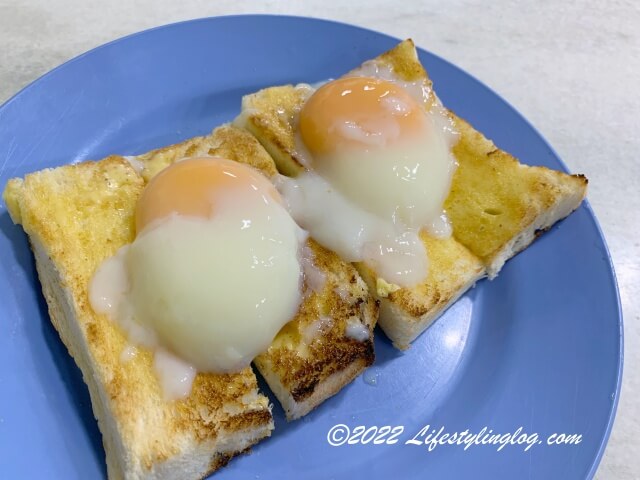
334 360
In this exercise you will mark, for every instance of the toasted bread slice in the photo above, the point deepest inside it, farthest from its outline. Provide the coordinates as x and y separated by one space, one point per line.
328 343
76 216
497 205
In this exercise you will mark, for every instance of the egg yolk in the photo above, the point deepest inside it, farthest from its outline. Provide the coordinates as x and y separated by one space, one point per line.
358 113
190 187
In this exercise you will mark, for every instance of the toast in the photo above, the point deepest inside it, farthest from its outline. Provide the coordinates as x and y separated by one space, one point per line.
329 342
78 215
496 205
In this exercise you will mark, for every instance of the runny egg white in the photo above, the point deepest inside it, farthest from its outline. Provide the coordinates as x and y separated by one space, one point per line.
197 283
379 167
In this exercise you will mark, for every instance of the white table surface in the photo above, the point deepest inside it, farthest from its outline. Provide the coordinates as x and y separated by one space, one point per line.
571 67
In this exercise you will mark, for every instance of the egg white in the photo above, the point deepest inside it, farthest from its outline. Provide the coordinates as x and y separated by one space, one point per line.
206 294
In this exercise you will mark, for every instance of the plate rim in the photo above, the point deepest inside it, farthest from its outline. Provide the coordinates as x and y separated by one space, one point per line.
301 18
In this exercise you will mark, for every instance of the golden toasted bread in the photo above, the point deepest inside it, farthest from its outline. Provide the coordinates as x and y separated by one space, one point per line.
315 355
78 215
497 206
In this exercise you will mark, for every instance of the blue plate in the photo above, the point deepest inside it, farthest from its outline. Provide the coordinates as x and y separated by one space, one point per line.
539 349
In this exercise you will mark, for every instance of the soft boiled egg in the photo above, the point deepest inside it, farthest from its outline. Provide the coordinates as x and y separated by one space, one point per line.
379 169
198 280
